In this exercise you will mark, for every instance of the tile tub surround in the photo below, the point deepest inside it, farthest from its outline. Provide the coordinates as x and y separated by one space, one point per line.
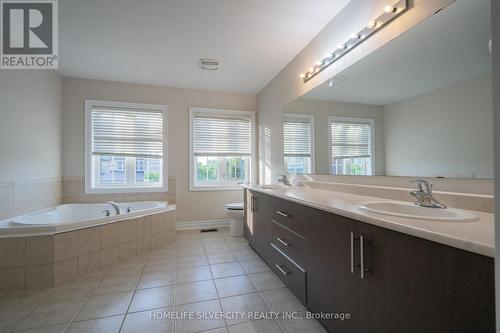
123 297
73 191
22 197
46 261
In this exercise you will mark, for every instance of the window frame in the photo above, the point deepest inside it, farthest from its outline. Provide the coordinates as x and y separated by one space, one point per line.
89 164
310 119
226 113
369 121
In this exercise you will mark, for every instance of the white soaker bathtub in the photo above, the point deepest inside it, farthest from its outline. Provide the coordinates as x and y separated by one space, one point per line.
76 216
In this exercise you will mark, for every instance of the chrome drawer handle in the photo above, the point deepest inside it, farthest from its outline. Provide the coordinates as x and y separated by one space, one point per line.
283 242
283 271
282 213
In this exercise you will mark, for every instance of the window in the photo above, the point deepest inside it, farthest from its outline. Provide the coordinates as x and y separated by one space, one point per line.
351 146
298 143
125 147
222 148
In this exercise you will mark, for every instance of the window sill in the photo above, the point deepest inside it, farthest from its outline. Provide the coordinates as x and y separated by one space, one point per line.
126 190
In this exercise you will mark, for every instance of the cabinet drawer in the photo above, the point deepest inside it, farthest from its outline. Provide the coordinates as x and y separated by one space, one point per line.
289 272
289 242
288 214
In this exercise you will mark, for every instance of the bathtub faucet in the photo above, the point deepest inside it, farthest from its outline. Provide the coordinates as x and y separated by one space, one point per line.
115 206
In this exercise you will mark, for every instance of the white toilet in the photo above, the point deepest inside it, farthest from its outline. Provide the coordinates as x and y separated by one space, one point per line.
235 212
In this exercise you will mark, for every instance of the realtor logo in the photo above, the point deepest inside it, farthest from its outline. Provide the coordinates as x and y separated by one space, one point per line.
29 34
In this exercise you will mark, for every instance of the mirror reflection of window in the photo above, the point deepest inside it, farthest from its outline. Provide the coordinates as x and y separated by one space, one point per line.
298 144
351 142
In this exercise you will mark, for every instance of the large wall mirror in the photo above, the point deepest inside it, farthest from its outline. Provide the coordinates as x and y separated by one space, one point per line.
420 106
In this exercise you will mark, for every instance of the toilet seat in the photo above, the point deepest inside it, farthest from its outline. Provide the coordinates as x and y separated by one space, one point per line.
234 206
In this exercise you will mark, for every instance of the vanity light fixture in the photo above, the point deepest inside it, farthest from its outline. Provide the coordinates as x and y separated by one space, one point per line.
390 12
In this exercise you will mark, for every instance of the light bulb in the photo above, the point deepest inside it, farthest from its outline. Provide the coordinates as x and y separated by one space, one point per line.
319 63
311 69
355 36
389 9
302 75
341 46
372 24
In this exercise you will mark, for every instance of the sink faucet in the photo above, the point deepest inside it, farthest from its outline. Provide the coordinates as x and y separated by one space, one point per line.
424 198
115 206
285 180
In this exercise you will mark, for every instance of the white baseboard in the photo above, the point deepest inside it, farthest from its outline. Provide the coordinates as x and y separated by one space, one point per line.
204 224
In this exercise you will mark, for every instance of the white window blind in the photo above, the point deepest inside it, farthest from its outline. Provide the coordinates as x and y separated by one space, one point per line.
296 138
219 136
127 132
350 139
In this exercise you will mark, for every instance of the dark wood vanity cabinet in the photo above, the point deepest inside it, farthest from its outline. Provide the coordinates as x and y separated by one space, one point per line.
408 285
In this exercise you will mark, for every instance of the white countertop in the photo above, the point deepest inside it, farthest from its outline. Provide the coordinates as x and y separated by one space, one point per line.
477 236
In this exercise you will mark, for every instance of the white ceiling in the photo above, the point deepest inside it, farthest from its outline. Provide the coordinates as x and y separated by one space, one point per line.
449 47
160 41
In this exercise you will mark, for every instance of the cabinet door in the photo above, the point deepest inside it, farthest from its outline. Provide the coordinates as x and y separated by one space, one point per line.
414 285
331 287
258 223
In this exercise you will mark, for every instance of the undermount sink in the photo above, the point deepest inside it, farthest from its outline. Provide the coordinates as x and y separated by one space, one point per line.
412 211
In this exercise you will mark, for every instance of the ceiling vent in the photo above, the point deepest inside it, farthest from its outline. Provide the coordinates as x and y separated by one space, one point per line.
209 64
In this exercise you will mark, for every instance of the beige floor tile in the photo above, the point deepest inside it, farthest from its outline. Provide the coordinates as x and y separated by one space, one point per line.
74 290
48 329
258 326
117 283
301 325
152 298
235 285
52 313
191 251
217 330
24 297
105 305
220 257
157 266
199 324
12 315
157 279
227 269
195 292
282 300
101 325
266 281
192 274
141 322
219 246
246 254
255 266
192 261
249 303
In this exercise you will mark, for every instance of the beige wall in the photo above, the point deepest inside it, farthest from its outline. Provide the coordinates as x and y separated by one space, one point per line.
30 129
30 140
446 132
191 206
286 86
321 110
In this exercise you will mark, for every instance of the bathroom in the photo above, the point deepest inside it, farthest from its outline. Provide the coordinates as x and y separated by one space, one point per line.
167 168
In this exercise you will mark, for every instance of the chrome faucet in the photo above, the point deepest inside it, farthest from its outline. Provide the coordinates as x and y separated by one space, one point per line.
424 197
285 180
115 206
